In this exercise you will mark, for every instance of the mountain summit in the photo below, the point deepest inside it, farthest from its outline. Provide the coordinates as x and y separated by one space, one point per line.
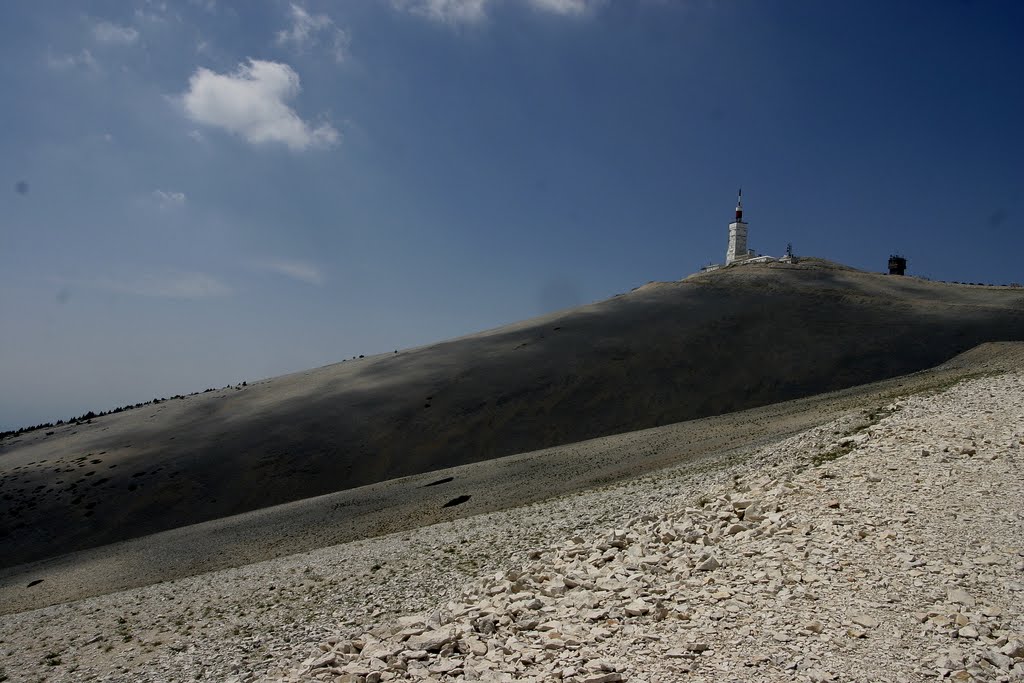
714 343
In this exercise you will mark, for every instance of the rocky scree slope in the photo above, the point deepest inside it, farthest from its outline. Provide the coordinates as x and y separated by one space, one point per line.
896 553
259 622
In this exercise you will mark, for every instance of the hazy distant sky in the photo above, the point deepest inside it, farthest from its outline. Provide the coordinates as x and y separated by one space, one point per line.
200 193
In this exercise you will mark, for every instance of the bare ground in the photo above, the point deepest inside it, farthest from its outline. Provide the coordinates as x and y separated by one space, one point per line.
263 619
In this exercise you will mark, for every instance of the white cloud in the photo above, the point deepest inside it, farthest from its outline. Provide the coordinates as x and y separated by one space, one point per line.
563 6
196 135
251 102
446 11
112 34
475 11
168 200
296 270
314 29
83 59
155 12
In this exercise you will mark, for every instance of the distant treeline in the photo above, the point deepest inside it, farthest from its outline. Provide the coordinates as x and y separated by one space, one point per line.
87 417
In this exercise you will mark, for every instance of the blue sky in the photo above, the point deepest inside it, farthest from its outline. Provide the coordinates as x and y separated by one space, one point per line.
198 193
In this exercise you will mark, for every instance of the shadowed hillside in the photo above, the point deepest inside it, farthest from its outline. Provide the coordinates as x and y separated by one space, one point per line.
666 352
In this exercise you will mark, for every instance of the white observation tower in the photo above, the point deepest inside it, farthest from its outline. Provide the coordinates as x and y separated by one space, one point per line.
737 236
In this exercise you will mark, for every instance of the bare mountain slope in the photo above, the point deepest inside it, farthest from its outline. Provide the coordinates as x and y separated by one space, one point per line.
667 352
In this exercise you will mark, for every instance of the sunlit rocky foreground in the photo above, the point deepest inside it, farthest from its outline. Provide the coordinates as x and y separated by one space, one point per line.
888 545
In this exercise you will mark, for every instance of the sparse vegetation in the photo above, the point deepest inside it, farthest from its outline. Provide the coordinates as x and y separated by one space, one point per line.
832 454
846 442
87 417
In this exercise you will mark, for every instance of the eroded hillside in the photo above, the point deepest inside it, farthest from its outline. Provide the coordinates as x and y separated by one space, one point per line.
666 352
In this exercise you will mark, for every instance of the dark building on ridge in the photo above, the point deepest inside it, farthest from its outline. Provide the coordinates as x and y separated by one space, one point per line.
897 265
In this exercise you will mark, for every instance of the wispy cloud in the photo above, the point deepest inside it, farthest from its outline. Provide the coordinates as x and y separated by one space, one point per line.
252 102
206 5
168 200
446 11
296 270
113 34
83 59
566 7
308 30
170 284
155 12
458 12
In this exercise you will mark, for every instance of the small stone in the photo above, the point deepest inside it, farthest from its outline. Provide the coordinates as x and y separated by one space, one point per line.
873 477
1004 662
415 654
958 596
477 646
816 675
864 620
637 608
1014 648
618 538
431 641
611 677
968 632
952 659
708 564
754 513
833 504
443 666
323 661
814 627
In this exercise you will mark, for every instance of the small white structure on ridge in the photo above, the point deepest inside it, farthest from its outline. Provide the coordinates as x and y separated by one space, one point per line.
737 250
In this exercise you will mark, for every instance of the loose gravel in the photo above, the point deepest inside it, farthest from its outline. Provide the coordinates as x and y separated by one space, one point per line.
883 546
